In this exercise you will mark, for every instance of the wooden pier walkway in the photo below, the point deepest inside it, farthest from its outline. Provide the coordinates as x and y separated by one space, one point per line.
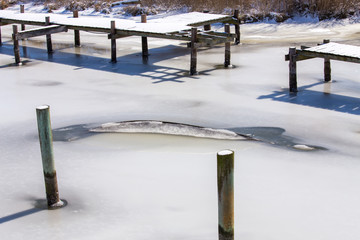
185 27
328 51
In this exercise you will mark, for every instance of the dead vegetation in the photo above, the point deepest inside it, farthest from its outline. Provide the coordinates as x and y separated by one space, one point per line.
250 10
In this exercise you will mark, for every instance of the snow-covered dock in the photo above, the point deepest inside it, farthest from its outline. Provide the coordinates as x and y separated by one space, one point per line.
178 27
328 51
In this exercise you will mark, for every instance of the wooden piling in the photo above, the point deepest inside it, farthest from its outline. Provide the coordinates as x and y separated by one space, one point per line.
327 65
76 32
16 44
237 26
292 71
225 184
207 27
48 37
22 10
144 42
193 60
227 48
113 42
47 155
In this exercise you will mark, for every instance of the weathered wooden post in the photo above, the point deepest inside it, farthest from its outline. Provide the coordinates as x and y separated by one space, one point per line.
193 56
0 36
22 10
237 26
48 37
144 42
16 44
227 47
47 155
225 183
292 70
113 42
327 65
207 27
76 32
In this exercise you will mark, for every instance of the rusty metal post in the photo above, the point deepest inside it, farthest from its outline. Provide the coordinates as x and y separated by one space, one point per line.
48 37
292 70
76 32
327 65
207 27
227 47
47 155
237 26
225 184
193 60
113 42
16 44
144 42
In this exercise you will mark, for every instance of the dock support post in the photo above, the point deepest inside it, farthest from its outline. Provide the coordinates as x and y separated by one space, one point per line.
207 27
113 42
227 47
76 32
22 10
193 60
292 70
0 36
237 26
47 155
327 66
144 43
48 37
225 184
16 44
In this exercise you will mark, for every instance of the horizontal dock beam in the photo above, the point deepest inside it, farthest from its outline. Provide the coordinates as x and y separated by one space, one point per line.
40 32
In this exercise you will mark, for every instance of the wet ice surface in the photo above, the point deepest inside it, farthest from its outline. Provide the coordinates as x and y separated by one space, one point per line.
152 186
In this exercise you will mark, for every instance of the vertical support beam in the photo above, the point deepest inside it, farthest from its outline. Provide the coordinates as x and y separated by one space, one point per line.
113 42
237 26
225 184
292 70
47 155
227 48
22 10
193 60
208 26
48 37
16 44
0 36
76 32
327 66
144 43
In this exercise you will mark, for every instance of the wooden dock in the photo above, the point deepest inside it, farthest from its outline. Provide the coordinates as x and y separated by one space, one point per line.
185 27
328 51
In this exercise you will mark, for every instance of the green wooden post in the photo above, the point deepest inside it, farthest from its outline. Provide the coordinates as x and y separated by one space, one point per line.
22 10
47 155
16 44
76 32
327 65
225 183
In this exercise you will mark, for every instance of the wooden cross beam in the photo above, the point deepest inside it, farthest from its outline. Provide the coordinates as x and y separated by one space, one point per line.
35 32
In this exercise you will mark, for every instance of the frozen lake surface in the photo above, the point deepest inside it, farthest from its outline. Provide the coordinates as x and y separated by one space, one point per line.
154 186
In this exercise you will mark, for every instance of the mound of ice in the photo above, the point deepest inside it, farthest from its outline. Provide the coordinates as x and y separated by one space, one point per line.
167 128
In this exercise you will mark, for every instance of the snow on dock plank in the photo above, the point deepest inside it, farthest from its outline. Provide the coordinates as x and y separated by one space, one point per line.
170 24
336 49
